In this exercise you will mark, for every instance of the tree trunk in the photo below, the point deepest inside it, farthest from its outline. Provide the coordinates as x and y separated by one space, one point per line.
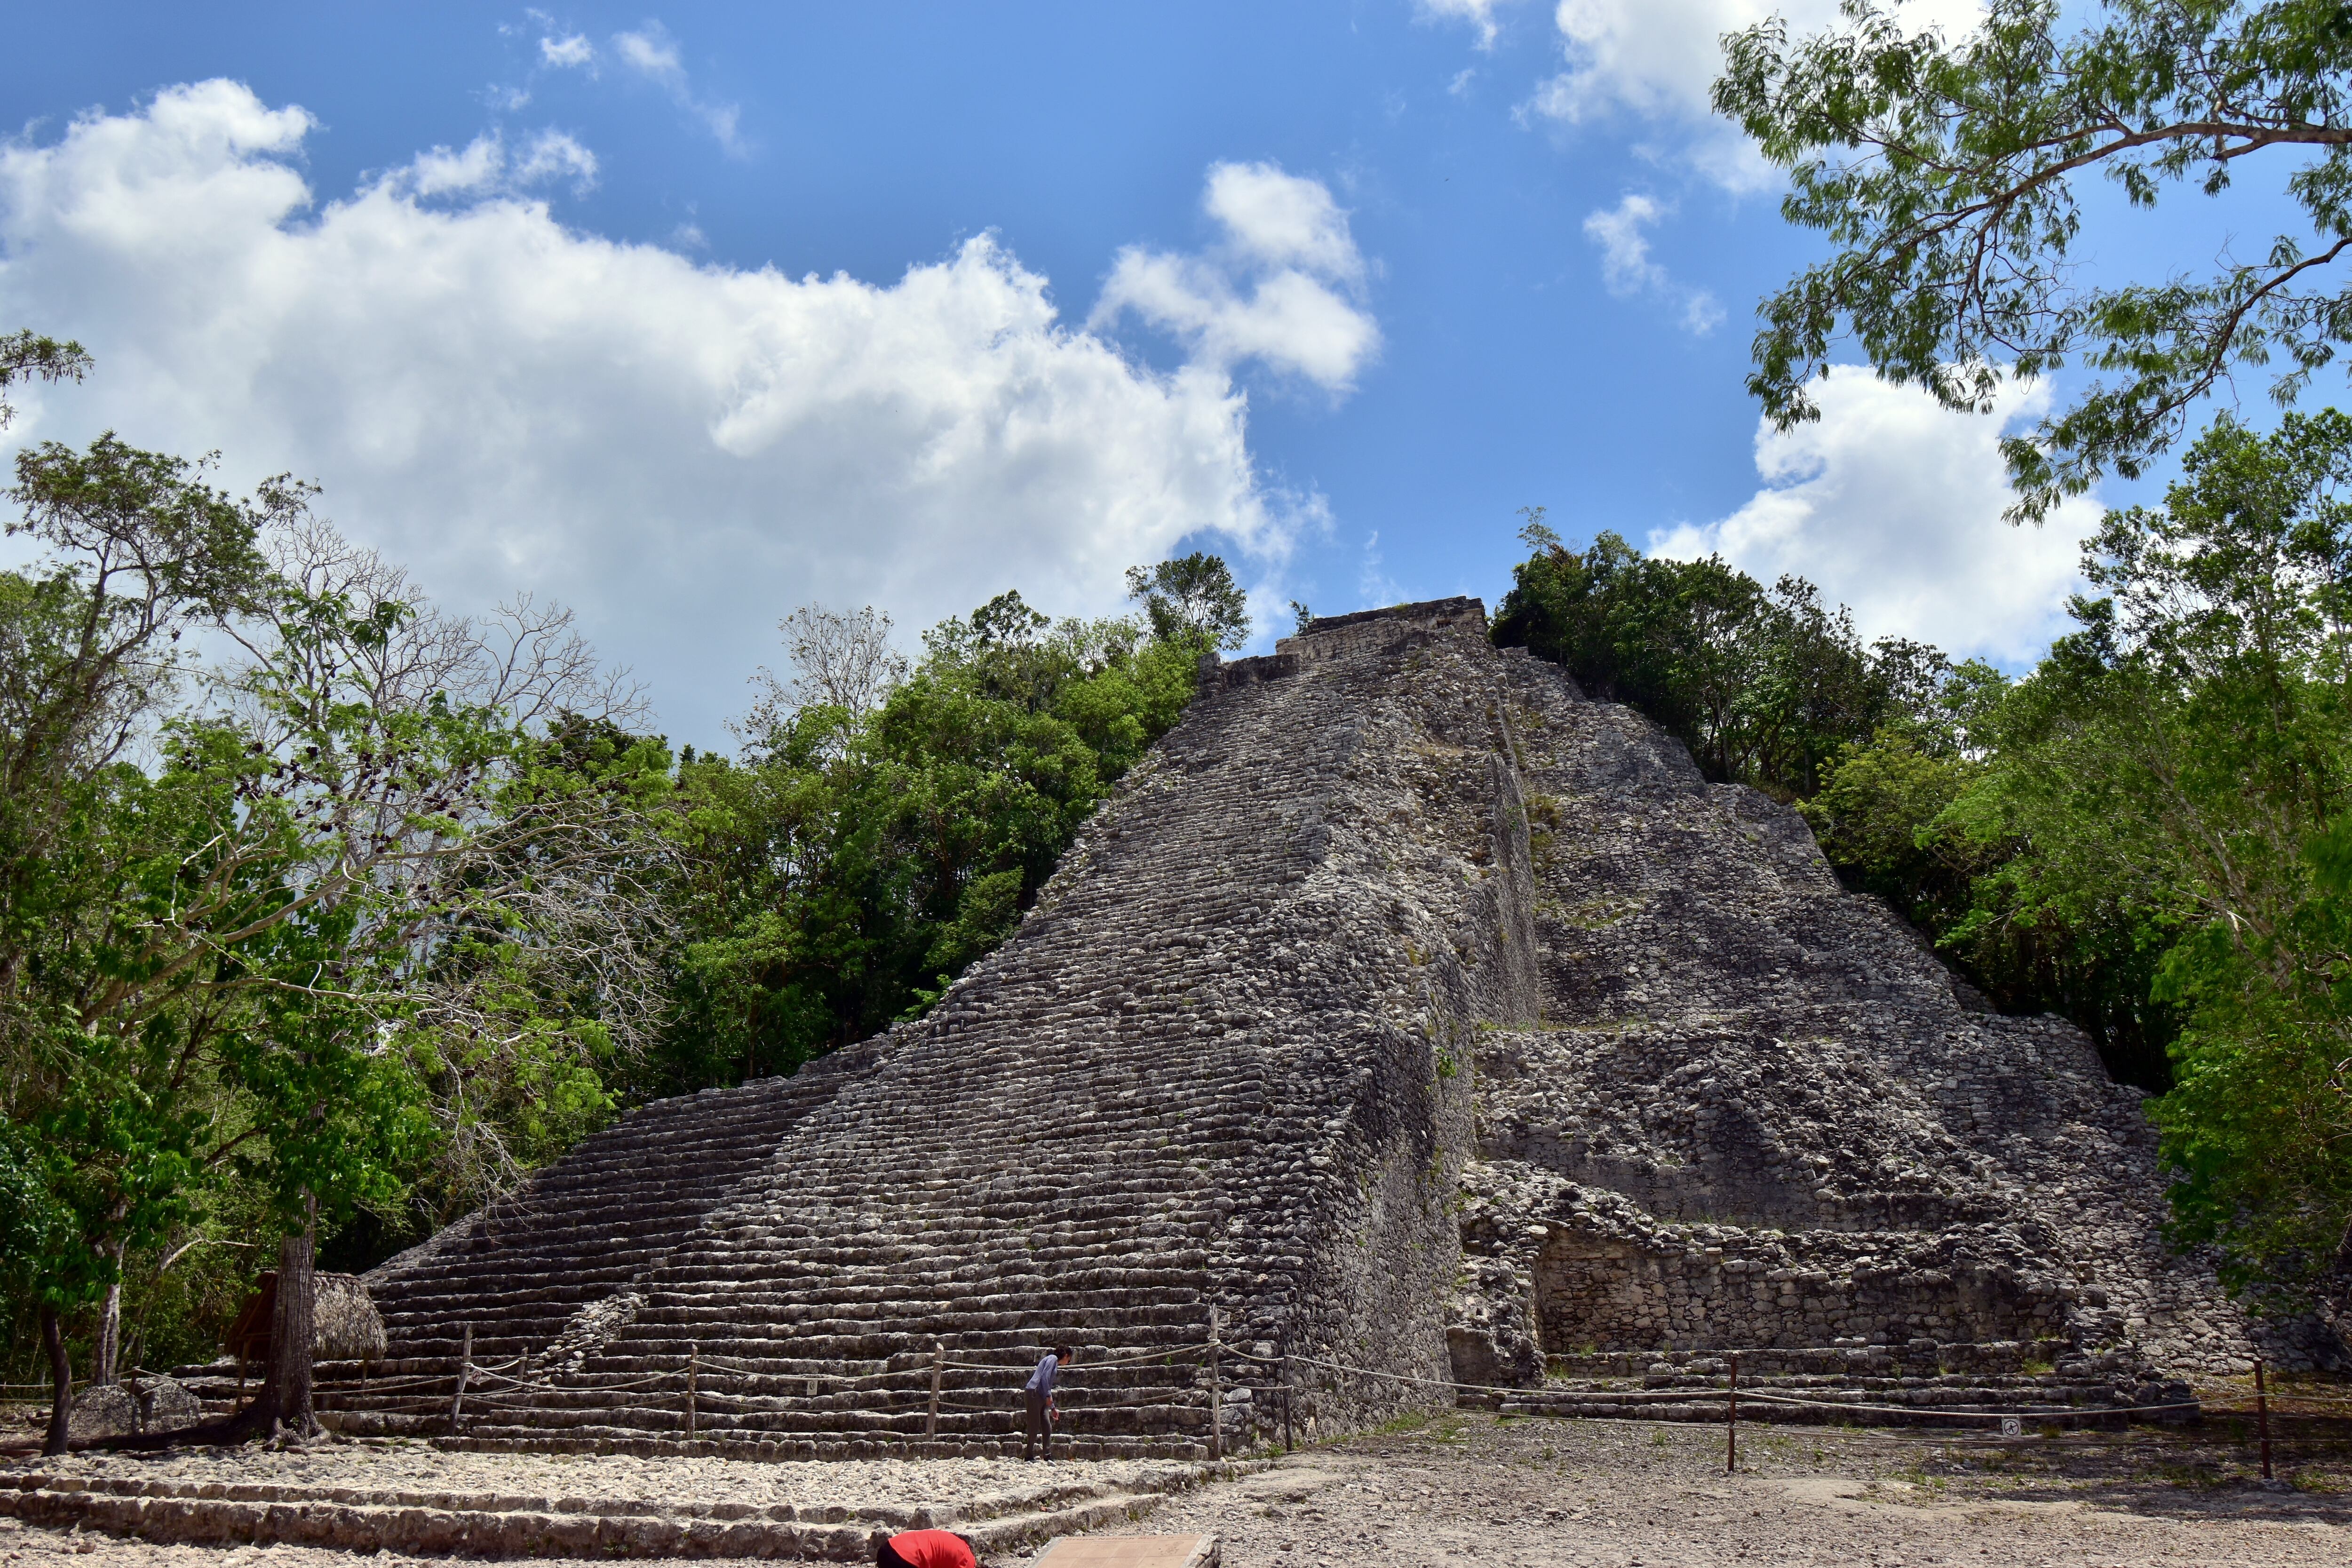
53 1338
102 1369
286 1391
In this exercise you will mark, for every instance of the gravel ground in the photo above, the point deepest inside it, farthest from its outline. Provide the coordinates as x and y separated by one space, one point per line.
420 1468
1468 1487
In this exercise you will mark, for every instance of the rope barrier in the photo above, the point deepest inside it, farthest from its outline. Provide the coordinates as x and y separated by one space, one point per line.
911 1389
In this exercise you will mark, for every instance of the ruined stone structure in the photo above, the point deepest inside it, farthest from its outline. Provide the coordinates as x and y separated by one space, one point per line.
1405 1009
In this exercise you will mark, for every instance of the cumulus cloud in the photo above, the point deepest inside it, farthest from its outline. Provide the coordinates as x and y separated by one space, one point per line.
683 451
486 166
653 54
1656 61
1283 286
571 53
1893 505
1627 267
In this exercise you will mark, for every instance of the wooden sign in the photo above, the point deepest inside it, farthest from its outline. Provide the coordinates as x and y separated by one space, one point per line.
1131 1551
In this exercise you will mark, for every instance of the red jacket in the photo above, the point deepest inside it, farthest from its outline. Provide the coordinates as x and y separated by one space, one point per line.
927 1549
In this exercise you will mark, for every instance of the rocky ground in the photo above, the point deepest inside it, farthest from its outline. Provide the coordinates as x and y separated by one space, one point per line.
1468 1487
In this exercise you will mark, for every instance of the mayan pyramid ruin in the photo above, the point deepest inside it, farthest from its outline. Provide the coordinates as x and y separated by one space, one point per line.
1407 1011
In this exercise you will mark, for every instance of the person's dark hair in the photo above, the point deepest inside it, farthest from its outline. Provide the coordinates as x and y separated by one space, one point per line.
1067 1353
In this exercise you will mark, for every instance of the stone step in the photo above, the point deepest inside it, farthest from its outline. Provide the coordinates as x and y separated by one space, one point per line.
367 1519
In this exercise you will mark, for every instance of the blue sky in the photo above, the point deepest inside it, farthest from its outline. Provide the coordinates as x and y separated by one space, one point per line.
686 316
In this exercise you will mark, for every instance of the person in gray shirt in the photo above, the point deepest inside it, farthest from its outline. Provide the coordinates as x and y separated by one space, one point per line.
1038 1392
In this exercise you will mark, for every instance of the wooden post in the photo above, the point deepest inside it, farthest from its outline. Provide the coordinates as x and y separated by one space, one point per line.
1289 1434
1216 1392
939 1366
693 1366
1731 1422
465 1375
2262 1415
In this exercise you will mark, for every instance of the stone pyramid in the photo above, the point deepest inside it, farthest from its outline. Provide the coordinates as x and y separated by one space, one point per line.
1404 1010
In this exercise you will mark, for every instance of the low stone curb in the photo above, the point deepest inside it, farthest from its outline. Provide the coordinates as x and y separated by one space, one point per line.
490 1524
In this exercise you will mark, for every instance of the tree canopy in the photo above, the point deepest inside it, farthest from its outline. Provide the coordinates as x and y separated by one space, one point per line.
329 935
1945 173
1763 684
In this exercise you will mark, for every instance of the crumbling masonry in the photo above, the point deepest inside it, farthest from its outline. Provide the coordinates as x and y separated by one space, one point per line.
1413 1013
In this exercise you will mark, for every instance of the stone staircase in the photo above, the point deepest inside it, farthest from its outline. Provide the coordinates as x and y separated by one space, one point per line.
519 1271
1924 1382
1216 1071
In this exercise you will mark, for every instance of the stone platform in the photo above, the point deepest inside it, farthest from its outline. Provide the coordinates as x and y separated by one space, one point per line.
414 1498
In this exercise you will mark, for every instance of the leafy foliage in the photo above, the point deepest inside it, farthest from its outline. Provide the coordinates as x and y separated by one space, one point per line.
1944 173
853 862
1762 685
1193 598
2151 833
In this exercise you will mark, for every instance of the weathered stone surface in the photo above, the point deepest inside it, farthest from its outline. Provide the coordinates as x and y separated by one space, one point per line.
1404 1009
167 1404
146 1403
1759 1113
102 1411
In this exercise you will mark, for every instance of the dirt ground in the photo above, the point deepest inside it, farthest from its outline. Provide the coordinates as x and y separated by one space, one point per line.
1546 1494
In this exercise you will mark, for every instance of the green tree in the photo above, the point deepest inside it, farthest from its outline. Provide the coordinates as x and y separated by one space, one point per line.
29 356
1945 171
1762 685
860 856
2194 749
291 921
139 551
1193 598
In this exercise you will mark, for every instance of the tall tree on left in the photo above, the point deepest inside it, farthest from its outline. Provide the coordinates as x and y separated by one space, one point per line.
140 551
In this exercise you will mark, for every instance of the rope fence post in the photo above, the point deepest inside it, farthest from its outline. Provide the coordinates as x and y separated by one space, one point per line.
693 1367
465 1375
1731 1422
1290 1433
939 1366
1216 1392
2262 1415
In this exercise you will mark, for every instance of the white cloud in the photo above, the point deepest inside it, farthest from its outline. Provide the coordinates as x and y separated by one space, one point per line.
567 54
1479 14
1656 61
1284 284
552 155
485 168
1374 586
1893 505
1282 220
1627 269
683 451
440 171
652 53
1625 264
